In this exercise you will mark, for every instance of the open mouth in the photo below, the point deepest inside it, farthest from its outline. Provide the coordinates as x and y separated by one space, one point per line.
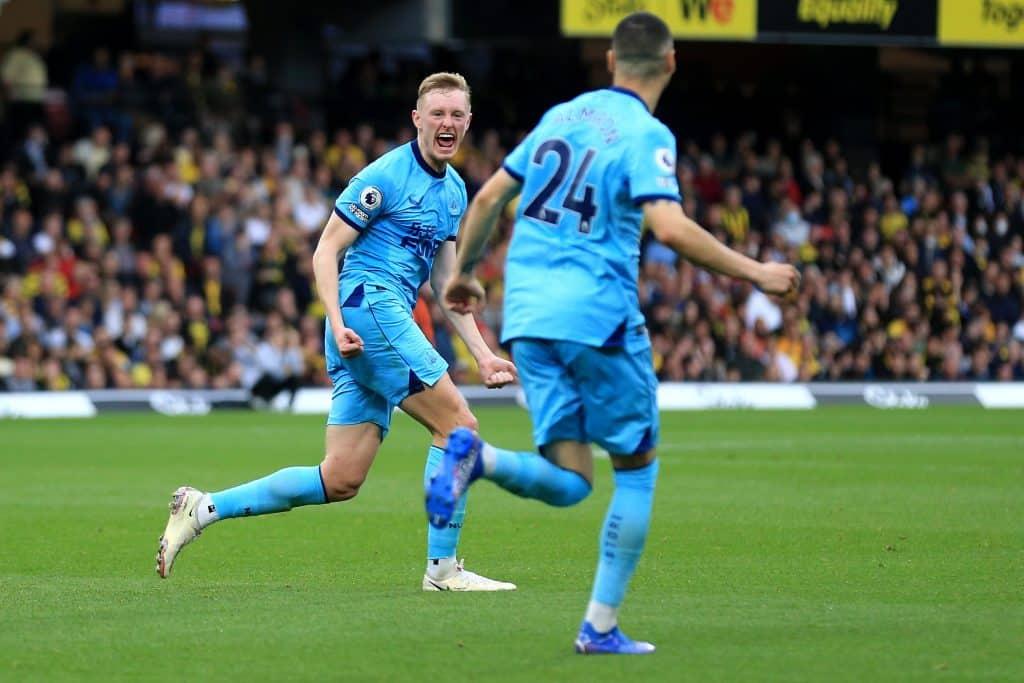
446 141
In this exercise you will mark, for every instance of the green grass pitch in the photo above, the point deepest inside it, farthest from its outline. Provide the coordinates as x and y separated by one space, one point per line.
839 544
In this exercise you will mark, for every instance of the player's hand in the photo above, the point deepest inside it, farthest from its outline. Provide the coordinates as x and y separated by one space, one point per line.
777 278
464 294
497 372
349 343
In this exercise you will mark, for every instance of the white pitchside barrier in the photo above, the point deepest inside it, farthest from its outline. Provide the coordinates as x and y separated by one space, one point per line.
671 396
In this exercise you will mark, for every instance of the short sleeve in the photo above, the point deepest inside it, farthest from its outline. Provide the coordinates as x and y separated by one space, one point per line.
364 199
516 162
652 167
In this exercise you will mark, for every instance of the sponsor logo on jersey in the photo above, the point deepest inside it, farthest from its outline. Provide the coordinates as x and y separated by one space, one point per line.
422 240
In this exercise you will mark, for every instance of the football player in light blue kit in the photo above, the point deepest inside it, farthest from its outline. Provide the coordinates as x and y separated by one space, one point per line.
591 171
397 221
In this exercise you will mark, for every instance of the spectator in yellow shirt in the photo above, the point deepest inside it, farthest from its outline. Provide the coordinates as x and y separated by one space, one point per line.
893 220
735 217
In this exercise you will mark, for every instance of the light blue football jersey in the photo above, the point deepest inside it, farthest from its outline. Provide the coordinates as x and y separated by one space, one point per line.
587 168
404 211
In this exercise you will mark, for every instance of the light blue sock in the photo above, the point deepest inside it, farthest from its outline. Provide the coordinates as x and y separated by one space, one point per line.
277 492
624 533
442 543
530 475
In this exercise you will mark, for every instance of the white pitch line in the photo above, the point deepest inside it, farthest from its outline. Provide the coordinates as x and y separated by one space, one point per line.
813 439
880 439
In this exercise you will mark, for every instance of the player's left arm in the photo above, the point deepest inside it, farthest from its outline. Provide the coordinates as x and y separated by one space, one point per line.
671 226
464 292
495 371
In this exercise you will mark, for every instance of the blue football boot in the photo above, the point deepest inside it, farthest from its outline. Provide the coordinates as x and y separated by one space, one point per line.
615 642
460 466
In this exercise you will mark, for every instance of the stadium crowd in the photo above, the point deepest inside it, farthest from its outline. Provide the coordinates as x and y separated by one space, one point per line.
162 236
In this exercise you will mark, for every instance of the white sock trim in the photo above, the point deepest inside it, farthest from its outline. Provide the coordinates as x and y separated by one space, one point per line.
206 512
440 568
601 616
490 458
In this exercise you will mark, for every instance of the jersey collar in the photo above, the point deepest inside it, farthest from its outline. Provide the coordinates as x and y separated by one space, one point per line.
627 91
423 162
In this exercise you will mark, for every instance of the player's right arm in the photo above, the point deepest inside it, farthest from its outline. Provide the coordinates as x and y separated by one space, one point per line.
674 228
337 236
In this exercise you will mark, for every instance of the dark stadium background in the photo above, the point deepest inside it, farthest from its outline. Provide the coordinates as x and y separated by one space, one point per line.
887 166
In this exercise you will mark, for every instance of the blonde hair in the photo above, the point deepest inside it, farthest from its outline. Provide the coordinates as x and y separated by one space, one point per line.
443 80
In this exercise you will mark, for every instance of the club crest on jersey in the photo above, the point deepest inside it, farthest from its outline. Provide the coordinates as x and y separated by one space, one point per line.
665 159
370 198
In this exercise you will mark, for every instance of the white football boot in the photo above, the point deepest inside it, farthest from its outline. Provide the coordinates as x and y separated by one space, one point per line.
182 528
463 580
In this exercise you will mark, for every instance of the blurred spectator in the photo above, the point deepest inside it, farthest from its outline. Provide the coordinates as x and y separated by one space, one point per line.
94 91
25 78
279 360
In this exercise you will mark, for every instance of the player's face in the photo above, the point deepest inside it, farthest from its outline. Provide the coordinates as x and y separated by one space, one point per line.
442 119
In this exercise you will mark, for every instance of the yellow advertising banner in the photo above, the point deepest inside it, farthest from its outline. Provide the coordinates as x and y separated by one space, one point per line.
988 23
711 19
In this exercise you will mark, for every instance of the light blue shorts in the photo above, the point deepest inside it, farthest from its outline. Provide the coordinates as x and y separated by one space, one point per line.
576 392
397 359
